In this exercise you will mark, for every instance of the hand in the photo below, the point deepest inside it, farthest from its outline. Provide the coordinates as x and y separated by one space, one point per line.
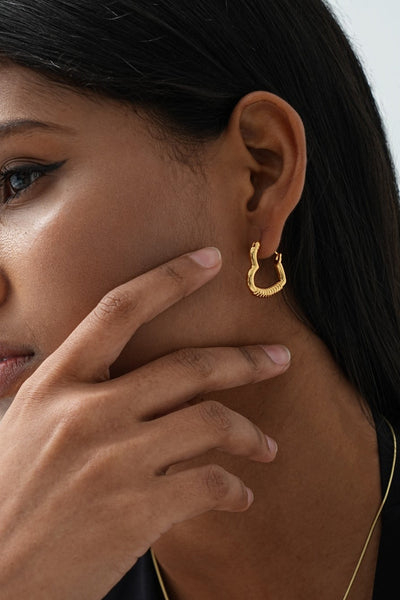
84 483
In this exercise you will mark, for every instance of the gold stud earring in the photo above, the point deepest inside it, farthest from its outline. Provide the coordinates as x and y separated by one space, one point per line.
274 289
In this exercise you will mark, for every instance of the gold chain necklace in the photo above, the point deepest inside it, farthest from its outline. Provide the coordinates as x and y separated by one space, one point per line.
363 551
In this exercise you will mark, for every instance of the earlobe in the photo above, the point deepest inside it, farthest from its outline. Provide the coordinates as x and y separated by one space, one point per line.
274 137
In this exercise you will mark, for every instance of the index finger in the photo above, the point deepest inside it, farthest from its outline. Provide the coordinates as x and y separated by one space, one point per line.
99 339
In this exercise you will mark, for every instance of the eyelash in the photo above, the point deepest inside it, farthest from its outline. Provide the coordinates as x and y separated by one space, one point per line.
25 170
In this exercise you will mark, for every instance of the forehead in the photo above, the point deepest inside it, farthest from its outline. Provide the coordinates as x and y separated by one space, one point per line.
26 95
23 90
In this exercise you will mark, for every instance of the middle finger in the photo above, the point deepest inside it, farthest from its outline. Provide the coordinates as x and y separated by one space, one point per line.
166 383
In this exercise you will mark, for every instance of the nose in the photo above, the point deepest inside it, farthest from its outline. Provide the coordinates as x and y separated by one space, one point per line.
3 287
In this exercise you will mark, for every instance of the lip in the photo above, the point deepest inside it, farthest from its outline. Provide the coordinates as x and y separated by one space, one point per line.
13 362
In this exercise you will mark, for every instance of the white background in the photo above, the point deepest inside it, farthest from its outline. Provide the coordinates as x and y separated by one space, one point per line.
374 28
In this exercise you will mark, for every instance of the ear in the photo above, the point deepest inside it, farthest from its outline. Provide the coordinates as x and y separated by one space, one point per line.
272 140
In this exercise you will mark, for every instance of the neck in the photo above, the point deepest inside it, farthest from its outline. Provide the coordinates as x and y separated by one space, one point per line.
313 506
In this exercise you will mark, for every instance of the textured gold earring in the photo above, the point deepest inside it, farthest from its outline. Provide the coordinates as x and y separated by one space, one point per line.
274 289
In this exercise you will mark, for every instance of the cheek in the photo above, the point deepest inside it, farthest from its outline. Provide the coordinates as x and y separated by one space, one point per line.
64 257
60 272
65 272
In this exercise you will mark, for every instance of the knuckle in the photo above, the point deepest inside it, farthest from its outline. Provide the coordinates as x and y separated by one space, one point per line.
216 414
171 272
216 482
79 412
32 390
196 361
42 386
70 421
254 358
67 436
116 304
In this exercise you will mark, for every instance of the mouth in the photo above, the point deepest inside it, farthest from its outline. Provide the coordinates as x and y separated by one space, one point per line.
13 363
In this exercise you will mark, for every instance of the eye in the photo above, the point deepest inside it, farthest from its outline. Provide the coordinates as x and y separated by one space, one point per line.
16 180
19 181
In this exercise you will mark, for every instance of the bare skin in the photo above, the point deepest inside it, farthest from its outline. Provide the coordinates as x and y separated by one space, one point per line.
119 205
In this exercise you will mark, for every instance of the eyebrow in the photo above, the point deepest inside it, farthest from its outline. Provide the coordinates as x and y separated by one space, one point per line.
15 126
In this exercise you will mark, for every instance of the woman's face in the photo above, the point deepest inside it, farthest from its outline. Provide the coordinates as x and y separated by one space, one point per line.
91 199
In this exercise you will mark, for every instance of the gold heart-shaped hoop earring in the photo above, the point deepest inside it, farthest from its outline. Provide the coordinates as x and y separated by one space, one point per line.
274 289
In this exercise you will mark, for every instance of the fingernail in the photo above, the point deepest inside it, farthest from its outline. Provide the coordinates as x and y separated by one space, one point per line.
272 445
206 257
250 496
280 355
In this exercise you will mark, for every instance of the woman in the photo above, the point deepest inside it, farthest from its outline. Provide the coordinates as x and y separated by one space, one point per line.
145 383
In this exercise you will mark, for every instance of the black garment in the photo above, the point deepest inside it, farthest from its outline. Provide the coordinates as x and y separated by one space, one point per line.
140 583
387 571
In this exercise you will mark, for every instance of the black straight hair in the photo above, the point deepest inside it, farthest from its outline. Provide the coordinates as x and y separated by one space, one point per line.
189 62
